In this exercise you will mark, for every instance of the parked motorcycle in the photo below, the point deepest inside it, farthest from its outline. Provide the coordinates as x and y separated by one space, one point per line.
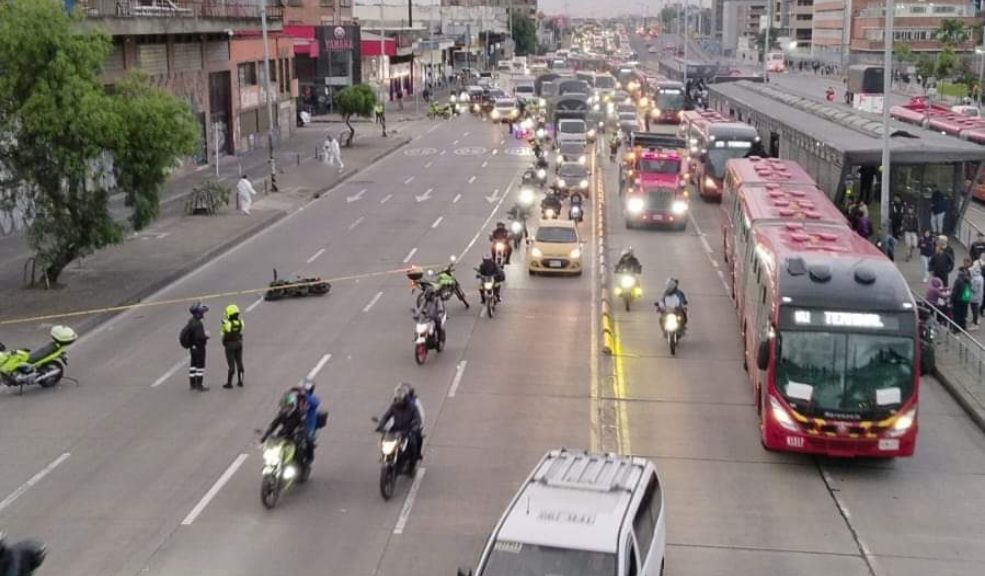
628 288
394 460
44 366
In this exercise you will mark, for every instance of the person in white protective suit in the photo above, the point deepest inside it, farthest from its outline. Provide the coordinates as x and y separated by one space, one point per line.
245 194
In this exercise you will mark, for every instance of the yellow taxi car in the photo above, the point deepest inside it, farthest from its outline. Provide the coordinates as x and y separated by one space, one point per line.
555 249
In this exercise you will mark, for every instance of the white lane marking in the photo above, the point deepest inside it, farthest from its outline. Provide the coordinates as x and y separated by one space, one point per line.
373 302
443 152
485 163
454 143
433 128
214 490
459 372
482 312
437 222
410 255
316 255
456 199
357 197
409 502
495 152
253 306
164 377
32 481
425 196
471 179
708 250
358 221
386 198
409 180
428 165
494 196
704 243
486 223
721 276
321 364
867 556
464 135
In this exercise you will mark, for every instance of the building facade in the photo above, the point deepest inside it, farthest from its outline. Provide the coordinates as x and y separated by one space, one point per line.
208 54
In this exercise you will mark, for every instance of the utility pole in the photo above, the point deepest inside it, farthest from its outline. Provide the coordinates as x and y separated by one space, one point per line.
766 40
269 98
685 48
887 86
382 54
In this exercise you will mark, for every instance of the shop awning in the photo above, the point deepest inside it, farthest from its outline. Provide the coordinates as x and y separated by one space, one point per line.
305 43
370 45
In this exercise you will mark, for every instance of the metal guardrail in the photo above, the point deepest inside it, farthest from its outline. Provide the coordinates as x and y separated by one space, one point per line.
967 231
215 9
959 346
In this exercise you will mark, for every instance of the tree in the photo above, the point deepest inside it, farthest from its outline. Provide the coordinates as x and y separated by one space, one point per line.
358 100
946 62
903 52
68 145
952 32
524 33
926 65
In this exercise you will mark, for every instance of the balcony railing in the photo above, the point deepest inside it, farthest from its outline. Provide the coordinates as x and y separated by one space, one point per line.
212 9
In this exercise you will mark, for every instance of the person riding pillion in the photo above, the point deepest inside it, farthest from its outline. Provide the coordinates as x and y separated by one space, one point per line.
488 267
628 263
232 342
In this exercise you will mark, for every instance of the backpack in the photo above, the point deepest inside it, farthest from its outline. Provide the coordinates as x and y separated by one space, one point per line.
185 337
966 293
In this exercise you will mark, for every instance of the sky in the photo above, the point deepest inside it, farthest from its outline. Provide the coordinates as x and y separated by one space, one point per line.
602 8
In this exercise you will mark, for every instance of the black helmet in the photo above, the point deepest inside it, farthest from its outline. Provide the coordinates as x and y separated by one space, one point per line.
500 225
198 309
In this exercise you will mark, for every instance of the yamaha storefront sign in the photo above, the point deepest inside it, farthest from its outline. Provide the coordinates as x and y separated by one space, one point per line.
339 60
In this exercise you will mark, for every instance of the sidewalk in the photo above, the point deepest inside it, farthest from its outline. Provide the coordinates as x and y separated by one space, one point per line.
177 244
960 358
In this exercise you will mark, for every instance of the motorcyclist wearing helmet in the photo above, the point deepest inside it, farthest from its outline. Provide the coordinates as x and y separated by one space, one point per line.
22 558
232 342
501 234
290 421
194 337
674 299
551 201
404 417
628 263
488 267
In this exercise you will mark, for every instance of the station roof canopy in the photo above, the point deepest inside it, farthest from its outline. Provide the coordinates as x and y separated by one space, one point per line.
857 135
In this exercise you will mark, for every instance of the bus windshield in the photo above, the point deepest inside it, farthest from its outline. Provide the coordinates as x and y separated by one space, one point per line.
670 99
723 152
827 374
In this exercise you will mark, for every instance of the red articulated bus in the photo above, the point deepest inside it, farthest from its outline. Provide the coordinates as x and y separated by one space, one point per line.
829 325
712 140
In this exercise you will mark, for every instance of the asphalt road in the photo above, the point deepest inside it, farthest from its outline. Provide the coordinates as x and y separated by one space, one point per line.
131 473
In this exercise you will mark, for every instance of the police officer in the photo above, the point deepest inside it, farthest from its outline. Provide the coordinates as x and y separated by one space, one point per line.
195 341
232 341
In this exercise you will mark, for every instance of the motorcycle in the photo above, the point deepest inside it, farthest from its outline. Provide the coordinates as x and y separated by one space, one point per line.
429 332
439 110
487 288
44 366
394 459
575 213
670 323
518 231
499 252
448 285
298 288
282 467
628 288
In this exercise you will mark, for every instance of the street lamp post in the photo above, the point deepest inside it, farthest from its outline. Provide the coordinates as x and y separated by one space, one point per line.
270 101
766 40
382 54
981 72
887 78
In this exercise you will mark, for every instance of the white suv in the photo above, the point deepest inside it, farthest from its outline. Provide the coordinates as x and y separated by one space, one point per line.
581 513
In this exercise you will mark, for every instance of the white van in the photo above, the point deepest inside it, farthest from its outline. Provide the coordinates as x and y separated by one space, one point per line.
581 513
571 130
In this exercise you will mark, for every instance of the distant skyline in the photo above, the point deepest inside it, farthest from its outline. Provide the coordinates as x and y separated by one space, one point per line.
604 8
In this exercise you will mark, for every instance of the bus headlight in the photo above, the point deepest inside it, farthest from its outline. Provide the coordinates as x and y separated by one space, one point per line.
679 207
710 184
903 423
781 415
635 205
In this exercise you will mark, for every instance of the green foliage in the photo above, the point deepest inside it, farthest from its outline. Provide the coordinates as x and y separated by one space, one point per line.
946 62
207 198
524 34
952 32
358 100
71 144
925 65
903 51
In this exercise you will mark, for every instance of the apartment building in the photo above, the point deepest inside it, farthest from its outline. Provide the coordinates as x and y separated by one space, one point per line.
528 6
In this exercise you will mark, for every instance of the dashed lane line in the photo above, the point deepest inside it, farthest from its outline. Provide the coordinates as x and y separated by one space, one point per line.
410 255
316 255
171 371
33 480
226 476
373 302
459 372
409 502
437 222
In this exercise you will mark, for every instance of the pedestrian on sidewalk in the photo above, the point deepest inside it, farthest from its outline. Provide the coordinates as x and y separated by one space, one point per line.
333 152
941 263
863 226
977 294
887 243
232 342
977 247
381 117
194 338
244 194
378 111
911 226
400 100
926 248
896 211
938 209
961 294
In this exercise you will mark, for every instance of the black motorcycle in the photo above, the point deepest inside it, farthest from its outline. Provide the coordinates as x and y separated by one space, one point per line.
297 288
395 459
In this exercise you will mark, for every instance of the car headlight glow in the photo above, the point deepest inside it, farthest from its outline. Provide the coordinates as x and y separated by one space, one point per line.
678 207
516 227
561 183
655 113
526 196
635 205
781 415
671 323
583 184
627 281
710 183
389 447
591 133
536 253
575 254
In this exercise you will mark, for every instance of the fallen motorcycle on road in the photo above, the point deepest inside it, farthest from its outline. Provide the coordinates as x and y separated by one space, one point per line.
297 288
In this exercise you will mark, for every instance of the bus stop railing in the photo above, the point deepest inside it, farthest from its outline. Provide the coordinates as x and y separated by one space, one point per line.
959 357
967 230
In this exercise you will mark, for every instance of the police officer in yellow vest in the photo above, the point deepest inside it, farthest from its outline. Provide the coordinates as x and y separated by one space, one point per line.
232 341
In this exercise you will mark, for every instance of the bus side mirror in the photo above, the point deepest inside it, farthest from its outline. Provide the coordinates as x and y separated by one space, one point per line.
763 355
